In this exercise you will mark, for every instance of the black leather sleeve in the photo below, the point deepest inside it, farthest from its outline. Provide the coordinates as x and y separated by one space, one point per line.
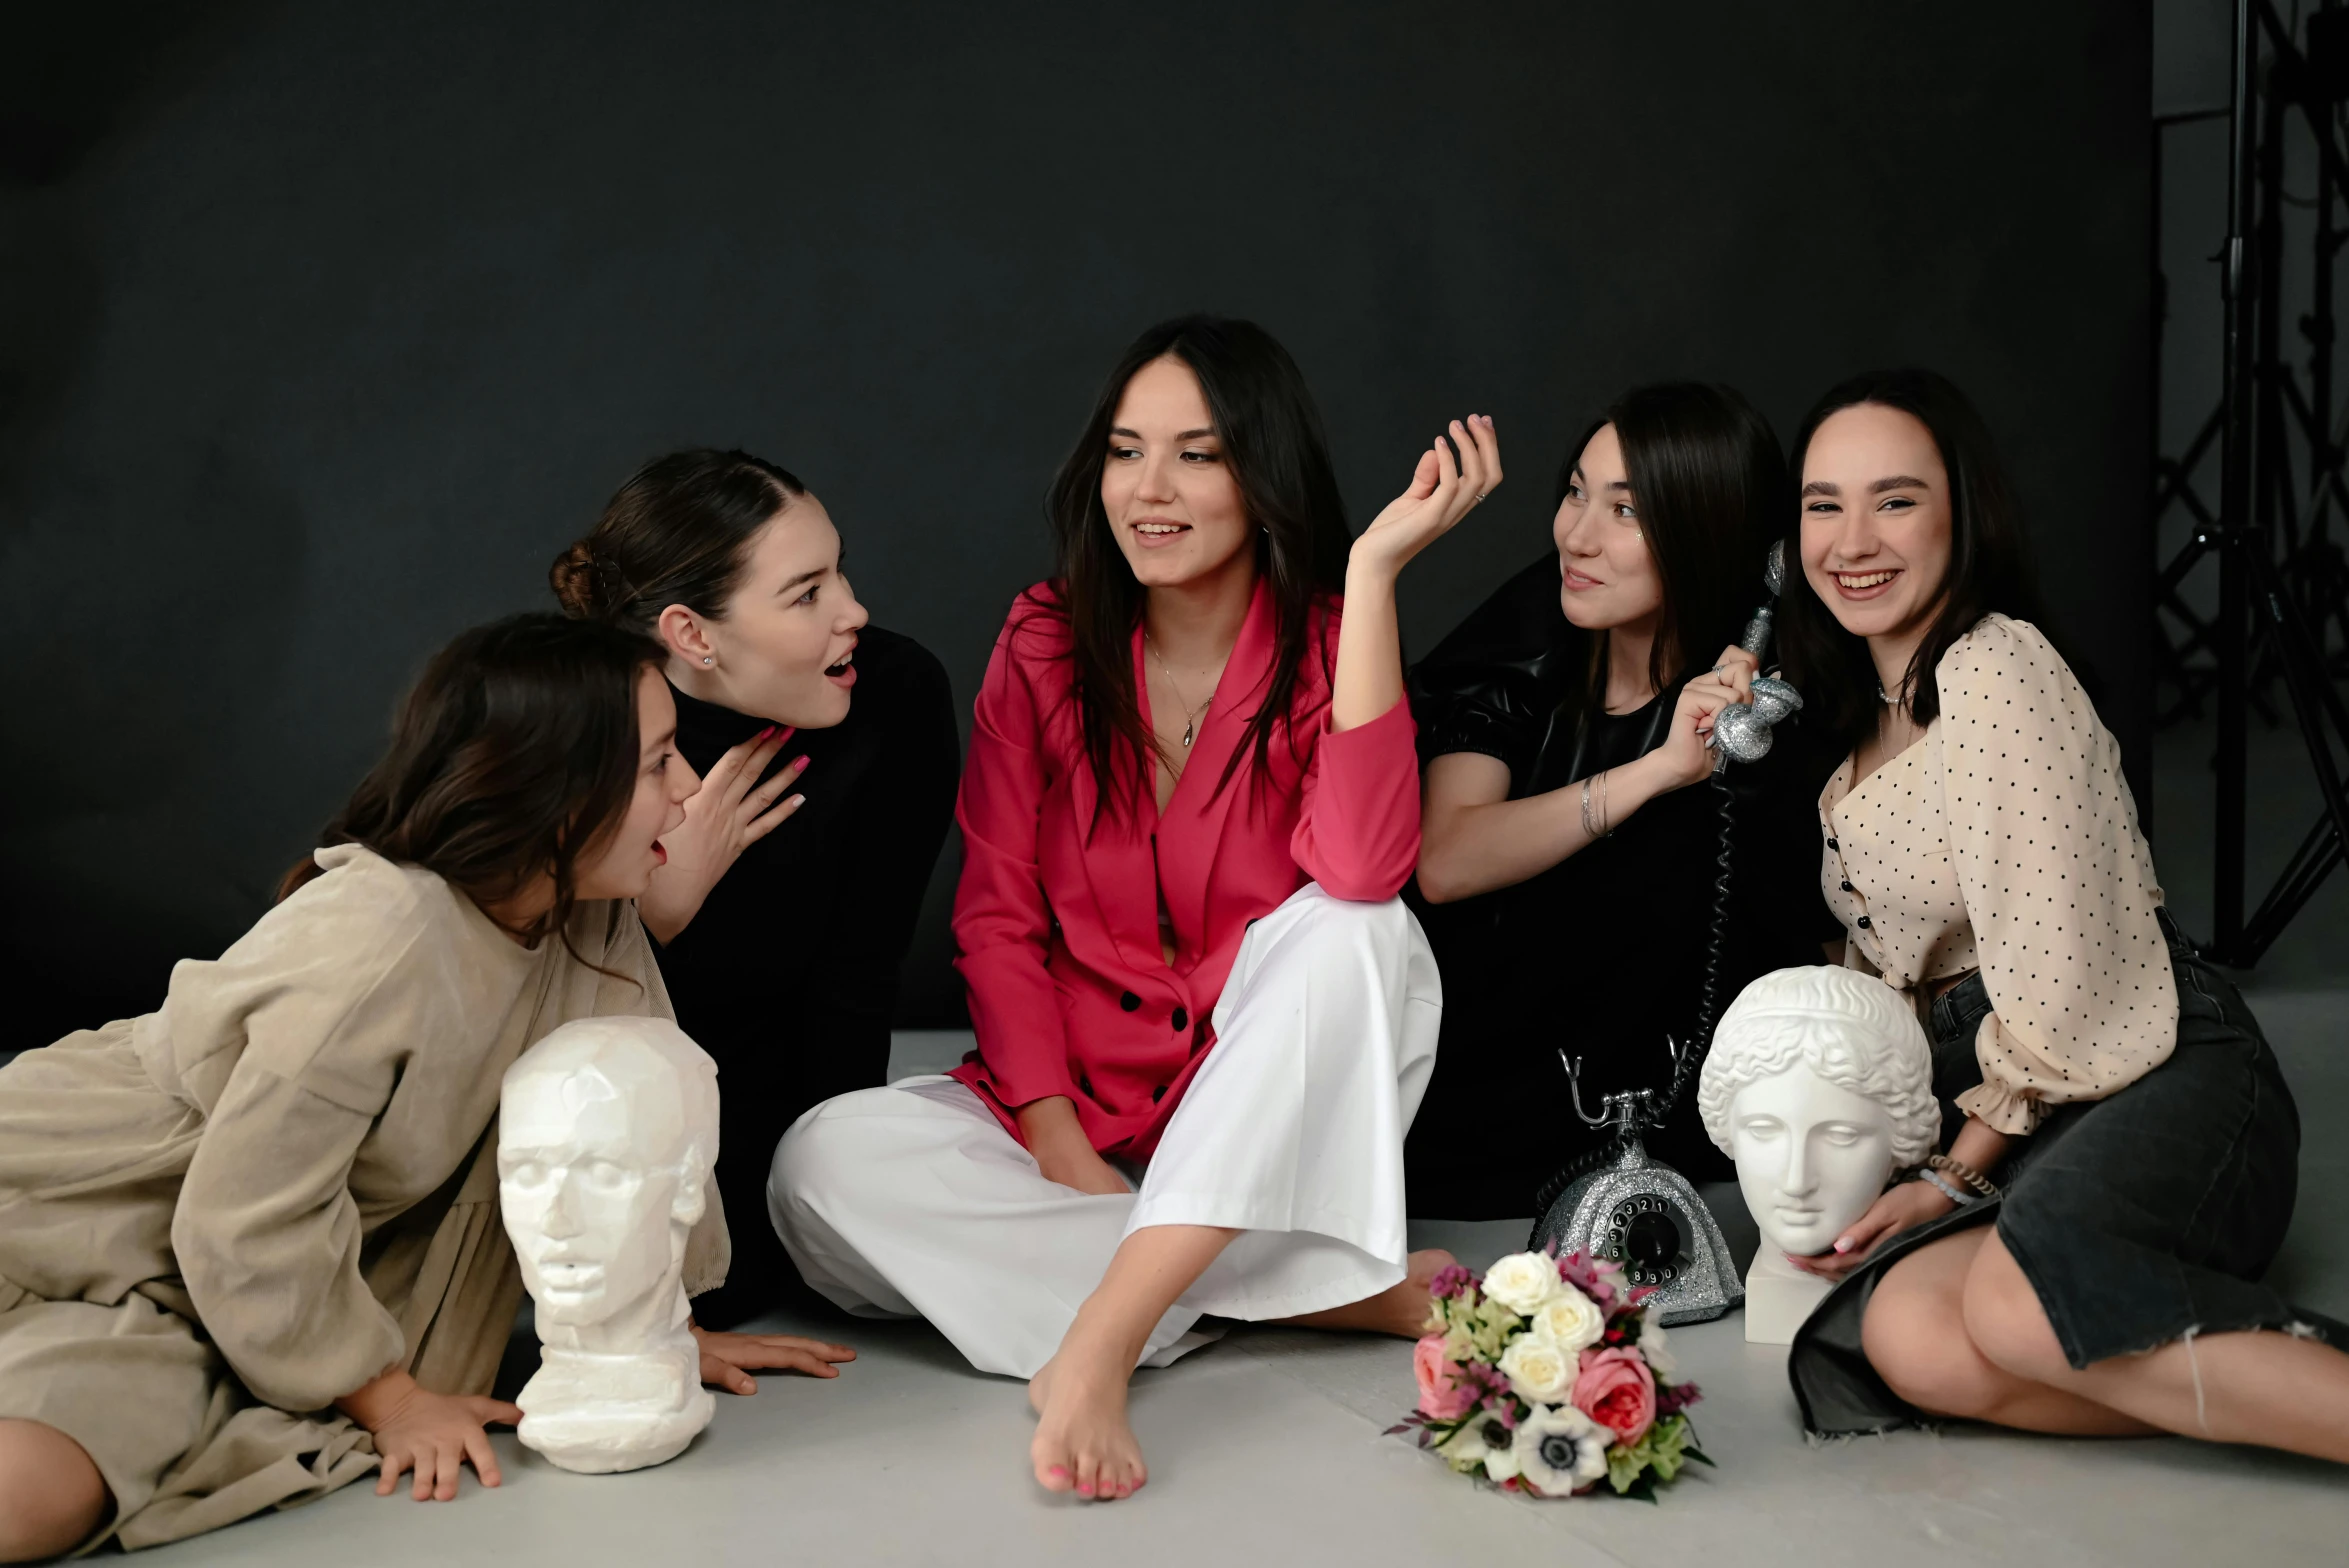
1493 684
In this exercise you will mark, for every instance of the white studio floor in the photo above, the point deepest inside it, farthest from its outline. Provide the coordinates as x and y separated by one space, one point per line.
1267 1449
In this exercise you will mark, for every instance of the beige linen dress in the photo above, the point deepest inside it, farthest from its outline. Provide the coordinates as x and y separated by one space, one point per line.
217 1219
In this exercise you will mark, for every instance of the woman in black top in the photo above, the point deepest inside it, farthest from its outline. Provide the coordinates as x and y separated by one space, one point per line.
1567 869
780 949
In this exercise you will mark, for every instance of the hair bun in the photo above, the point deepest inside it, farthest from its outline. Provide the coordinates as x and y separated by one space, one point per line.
577 580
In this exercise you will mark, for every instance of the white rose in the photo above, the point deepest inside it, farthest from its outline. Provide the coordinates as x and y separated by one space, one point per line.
1539 1370
1570 1320
1522 1281
1659 1355
1559 1450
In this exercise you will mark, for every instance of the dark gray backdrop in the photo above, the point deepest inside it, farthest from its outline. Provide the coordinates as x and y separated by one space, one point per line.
324 326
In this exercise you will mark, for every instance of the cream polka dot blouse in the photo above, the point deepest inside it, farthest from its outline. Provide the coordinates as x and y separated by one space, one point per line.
2005 839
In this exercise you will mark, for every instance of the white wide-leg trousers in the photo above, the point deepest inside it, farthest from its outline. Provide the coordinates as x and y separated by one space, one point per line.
911 1200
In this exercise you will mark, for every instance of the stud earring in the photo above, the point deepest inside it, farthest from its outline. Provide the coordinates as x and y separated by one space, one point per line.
706 659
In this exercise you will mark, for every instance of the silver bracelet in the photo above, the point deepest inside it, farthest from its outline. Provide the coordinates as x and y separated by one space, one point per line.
1594 831
1957 1195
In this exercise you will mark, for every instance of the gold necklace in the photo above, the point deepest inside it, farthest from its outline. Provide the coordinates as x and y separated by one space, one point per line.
1190 714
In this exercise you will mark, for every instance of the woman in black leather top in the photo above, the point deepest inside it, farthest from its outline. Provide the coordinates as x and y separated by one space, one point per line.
1567 869
779 941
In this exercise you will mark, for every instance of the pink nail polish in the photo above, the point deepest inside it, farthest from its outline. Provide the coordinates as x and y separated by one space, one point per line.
801 764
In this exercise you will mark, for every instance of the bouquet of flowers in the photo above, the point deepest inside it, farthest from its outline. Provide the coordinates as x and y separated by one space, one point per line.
1548 1376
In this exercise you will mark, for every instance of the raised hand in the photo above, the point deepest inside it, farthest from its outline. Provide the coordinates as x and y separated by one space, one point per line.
1452 477
728 814
1685 758
727 1360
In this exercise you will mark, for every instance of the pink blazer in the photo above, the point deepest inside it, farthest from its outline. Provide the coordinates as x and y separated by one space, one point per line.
1056 916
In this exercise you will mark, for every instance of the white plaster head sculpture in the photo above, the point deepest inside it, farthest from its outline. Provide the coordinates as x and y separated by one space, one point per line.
1819 1085
607 1131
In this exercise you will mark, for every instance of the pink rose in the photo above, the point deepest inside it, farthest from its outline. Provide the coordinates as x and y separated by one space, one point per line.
1441 1398
1616 1390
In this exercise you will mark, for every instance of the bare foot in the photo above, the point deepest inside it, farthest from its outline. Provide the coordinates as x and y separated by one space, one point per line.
1083 1443
1400 1309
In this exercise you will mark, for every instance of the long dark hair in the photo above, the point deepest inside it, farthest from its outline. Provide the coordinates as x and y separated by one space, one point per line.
1989 566
512 756
678 532
1711 487
1273 442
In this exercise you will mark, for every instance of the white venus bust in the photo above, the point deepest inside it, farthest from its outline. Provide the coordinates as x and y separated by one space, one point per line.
607 1130
1819 1085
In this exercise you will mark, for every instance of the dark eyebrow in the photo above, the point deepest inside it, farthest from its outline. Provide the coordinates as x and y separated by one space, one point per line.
1897 482
1820 487
1180 435
803 577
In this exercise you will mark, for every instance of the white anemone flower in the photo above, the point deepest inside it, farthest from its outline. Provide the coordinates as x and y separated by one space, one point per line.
1559 1450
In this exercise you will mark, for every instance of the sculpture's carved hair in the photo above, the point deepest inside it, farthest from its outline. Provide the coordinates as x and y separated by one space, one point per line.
668 1083
1830 1021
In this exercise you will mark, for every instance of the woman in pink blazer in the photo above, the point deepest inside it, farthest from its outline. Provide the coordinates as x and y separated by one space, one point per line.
1204 1019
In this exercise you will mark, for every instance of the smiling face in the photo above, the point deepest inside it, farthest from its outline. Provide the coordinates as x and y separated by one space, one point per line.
1811 1156
1171 498
1876 522
1607 578
785 648
622 862
593 1192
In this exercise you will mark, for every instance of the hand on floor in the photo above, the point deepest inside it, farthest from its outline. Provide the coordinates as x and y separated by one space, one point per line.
436 1435
727 1360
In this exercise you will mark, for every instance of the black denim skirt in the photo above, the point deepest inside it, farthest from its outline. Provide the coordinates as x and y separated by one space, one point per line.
2138 1218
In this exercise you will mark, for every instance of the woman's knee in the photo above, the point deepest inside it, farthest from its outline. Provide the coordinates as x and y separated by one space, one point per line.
2005 1321
1316 921
828 1154
51 1494
1914 1336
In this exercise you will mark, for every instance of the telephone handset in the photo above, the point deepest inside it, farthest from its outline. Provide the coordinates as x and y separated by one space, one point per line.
1618 1202
1743 728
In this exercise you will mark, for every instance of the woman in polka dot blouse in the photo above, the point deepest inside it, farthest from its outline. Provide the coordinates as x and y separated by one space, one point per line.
2108 1100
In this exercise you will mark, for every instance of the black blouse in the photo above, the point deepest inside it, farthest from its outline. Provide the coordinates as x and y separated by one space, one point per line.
788 975
1603 954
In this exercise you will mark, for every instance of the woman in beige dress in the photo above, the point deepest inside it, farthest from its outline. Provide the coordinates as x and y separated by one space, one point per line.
249 1243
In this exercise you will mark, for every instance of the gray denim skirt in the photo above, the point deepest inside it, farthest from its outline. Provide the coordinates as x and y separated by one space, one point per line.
2138 1218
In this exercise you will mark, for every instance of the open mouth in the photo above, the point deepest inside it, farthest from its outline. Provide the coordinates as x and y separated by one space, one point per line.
1576 582
1865 585
843 673
1157 532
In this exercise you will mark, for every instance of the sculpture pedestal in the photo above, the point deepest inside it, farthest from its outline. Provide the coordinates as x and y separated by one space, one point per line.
1778 1298
603 1413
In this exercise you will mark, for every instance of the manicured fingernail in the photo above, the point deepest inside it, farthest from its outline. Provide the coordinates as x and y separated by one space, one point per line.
1843 1244
801 764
